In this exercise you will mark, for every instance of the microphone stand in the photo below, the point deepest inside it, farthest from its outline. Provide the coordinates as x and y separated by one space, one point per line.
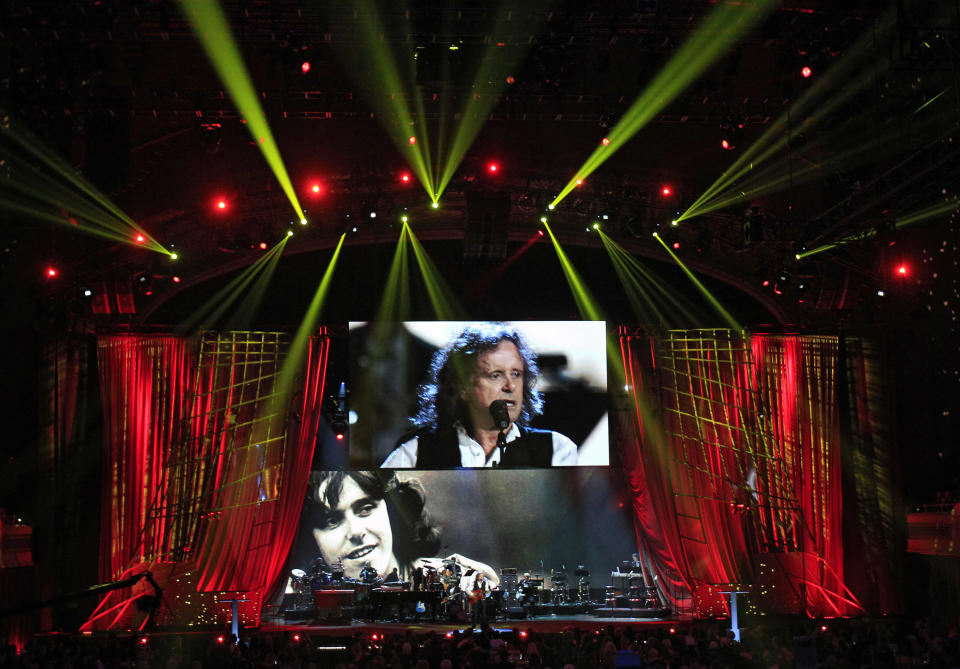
501 444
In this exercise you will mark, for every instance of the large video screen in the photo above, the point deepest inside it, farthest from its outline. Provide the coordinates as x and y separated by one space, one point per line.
450 394
558 523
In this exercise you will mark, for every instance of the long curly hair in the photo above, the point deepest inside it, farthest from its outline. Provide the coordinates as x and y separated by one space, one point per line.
441 404
414 535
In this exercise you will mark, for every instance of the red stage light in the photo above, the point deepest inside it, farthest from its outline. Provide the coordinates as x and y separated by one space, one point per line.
725 144
450 634
176 279
510 79
805 71
523 634
143 641
492 168
305 66
676 245
605 141
540 232
666 191
340 436
221 639
902 270
141 239
412 140
221 204
766 282
405 177
51 272
296 637
263 246
316 189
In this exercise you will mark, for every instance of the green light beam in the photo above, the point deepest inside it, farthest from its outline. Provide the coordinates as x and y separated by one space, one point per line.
445 304
395 304
730 320
120 223
585 302
725 24
864 145
58 219
489 82
851 71
209 312
388 93
246 311
293 364
645 291
921 216
210 27
931 100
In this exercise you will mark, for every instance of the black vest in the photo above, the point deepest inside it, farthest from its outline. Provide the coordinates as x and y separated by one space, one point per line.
533 448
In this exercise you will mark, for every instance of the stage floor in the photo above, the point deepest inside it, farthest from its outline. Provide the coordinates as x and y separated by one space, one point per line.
548 623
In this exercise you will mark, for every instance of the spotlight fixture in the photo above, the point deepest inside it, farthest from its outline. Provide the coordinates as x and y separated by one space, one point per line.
435 205
51 272
405 177
174 256
412 140
141 239
263 246
316 189
221 204
605 141
492 168
806 71
87 292
666 190
305 66
175 279
289 233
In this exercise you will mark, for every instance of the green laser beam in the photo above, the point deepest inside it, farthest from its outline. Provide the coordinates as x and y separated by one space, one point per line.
921 216
730 320
293 364
388 99
210 311
445 304
120 223
851 71
243 316
725 24
210 26
645 290
488 83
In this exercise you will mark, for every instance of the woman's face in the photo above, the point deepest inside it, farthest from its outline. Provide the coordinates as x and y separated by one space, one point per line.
357 531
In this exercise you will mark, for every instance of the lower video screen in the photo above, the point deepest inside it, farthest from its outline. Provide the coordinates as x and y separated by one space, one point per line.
566 529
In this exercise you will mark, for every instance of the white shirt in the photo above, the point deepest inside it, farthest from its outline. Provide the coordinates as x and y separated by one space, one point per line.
404 456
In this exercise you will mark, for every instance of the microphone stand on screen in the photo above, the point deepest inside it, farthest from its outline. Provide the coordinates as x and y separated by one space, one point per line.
501 418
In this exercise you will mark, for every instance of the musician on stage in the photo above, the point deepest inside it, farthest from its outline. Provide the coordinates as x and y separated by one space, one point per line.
477 590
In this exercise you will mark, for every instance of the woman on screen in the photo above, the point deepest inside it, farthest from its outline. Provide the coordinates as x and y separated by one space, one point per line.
373 519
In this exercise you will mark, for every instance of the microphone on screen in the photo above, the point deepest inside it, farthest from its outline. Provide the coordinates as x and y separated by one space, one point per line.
501 417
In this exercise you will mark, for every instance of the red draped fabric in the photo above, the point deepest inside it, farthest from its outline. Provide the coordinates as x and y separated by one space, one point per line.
203 464
144 385
261 467
734 459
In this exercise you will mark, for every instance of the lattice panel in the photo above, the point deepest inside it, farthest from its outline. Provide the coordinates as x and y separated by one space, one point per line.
234 433
724 450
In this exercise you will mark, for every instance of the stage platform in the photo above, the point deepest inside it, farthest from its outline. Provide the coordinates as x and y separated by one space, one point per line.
599 619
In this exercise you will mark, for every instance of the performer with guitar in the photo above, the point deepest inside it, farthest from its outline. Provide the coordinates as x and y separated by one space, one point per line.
477 593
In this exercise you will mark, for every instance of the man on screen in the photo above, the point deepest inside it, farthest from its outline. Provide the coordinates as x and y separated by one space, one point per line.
475 410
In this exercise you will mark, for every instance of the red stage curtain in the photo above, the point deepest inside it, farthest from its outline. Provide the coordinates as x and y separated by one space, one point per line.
260 462
735 462
144 385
